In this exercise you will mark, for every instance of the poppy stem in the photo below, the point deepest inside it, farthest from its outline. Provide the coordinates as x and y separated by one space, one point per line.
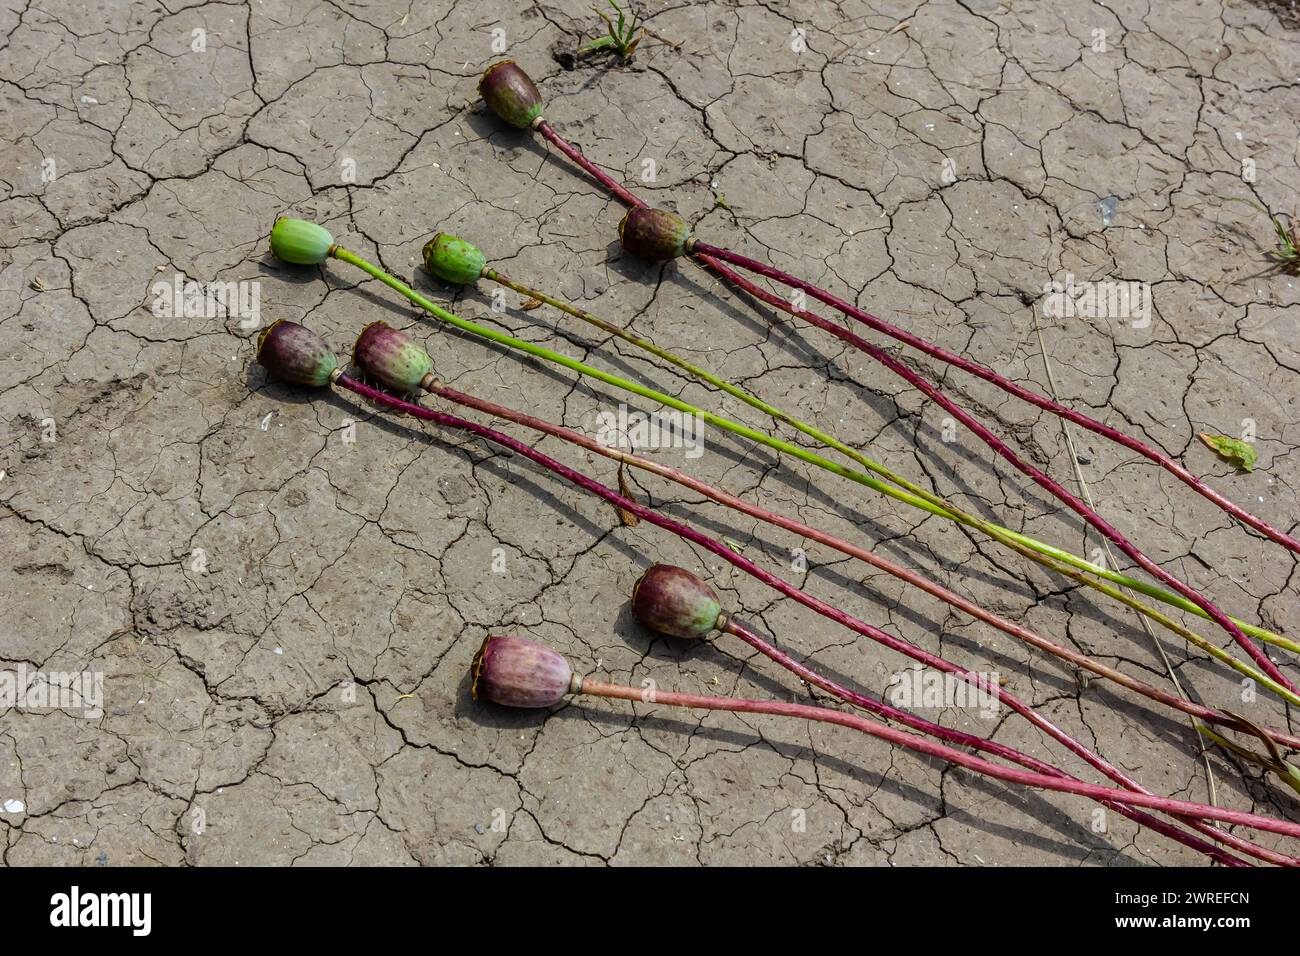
721 550
1181 808
714 257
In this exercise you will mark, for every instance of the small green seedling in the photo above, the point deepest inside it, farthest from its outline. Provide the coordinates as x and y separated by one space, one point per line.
624 32
1286 254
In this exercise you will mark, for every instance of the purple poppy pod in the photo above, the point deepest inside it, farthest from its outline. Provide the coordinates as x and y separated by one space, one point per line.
675 602
654 234
391 357
517 672
510 94
294 353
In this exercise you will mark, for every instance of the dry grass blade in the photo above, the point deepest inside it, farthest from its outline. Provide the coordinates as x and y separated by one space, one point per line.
1084 490
628 519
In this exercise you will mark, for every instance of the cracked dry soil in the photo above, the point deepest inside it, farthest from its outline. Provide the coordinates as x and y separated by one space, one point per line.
283 590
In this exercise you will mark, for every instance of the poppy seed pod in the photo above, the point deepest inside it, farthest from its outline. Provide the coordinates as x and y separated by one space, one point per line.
654 234
296 354
675 602
300 242
516 672
510 94
452 259
391 357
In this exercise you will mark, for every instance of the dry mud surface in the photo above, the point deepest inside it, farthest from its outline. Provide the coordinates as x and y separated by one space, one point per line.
282 591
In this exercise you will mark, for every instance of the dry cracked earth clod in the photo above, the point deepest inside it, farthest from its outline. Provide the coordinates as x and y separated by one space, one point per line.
283 591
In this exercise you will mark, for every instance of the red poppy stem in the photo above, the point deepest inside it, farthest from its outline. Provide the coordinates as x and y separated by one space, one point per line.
930 748
826 610
1060 492
713 257
496 410
1019 391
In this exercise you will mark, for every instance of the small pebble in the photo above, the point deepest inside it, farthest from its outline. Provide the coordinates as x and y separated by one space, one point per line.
1107 208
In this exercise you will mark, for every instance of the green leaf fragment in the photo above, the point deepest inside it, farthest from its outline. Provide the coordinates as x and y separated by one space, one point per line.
1240 453
597 44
